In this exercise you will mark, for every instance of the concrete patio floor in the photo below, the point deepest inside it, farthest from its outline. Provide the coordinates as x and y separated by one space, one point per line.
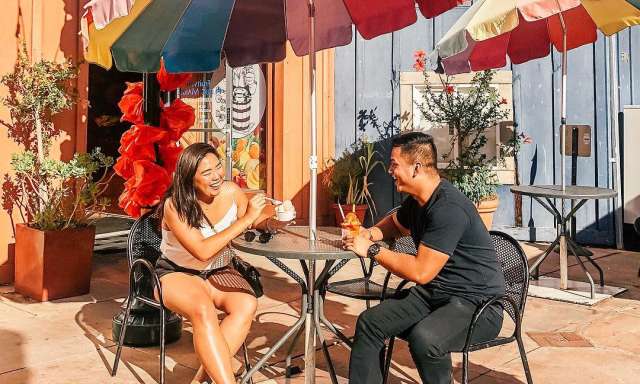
69 341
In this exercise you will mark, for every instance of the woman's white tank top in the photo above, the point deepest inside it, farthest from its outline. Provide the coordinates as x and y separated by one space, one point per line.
174 251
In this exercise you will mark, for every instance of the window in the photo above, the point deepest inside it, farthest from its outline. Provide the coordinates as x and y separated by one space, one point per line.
411 87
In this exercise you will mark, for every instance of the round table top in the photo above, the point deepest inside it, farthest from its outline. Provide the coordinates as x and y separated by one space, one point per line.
293 243
570 192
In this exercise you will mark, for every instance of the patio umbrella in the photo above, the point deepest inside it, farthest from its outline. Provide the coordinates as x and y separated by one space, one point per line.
191 36
524 30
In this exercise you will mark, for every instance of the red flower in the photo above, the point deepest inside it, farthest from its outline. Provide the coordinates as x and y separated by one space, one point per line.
177 118
503 101
170 81
420 57
169 151
145 189
449 89
131 104
138 141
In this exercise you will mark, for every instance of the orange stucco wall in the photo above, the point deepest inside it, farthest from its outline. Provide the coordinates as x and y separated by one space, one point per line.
50 29
292 130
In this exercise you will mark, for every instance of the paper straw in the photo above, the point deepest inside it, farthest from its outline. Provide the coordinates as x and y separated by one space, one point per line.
341 211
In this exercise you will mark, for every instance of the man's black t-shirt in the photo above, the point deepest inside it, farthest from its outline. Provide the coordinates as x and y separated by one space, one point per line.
450 223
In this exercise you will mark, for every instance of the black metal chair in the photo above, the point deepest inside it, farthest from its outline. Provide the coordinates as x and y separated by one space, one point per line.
636 226
143 250
516 275
364 288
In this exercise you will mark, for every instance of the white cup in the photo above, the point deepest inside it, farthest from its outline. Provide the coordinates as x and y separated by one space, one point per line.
285 215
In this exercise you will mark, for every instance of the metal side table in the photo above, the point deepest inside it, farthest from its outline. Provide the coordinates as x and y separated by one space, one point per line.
571 192
293 243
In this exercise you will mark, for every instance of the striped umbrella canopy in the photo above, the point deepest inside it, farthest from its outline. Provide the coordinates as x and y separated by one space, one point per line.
191 35
524 30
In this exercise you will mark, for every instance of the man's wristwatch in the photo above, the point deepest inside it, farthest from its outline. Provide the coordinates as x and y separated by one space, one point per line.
373 251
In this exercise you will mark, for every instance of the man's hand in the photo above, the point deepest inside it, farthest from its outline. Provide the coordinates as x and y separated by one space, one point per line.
359 244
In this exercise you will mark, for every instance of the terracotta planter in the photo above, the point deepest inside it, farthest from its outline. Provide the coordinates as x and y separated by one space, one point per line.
53 264
486 208
7 267
361 211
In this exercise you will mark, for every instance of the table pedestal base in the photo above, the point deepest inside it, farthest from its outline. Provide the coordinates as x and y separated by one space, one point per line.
577 292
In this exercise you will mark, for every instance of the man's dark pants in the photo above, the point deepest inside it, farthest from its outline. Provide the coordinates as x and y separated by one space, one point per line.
434 323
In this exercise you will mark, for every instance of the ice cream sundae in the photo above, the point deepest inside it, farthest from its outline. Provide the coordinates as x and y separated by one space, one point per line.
285 211
350 225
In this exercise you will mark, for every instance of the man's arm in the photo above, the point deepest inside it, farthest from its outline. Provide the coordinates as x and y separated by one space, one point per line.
387 228
420 269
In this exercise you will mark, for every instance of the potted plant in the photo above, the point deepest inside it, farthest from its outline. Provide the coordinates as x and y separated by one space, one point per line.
469 114
347 179
56 200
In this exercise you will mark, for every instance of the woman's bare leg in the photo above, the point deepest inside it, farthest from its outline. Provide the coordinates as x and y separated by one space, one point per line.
190 296
240 307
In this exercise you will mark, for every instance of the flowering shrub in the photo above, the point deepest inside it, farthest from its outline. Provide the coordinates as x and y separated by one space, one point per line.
468 115
49 194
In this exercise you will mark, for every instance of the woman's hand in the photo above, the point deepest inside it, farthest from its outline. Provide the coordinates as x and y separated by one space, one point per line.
255 207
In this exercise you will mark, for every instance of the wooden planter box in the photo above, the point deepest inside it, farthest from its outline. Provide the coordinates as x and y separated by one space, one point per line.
53 264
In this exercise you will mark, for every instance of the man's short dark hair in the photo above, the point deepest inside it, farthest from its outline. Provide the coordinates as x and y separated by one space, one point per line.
418 146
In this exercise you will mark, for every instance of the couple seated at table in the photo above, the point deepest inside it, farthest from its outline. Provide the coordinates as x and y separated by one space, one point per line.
455 269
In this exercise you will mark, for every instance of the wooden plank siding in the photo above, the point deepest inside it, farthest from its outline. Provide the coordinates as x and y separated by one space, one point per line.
367 76
289 122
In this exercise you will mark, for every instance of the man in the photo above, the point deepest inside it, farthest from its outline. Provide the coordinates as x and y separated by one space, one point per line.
455 270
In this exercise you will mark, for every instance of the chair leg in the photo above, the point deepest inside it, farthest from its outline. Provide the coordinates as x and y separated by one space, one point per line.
465 367
123 330
523 356
387 361
247 366
162 342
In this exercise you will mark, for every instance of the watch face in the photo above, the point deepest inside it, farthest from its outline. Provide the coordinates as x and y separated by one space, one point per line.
373 250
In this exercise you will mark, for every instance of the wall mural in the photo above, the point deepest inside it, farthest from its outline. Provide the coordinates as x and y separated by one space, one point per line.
207 93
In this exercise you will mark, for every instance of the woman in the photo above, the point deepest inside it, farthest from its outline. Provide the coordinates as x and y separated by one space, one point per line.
201 215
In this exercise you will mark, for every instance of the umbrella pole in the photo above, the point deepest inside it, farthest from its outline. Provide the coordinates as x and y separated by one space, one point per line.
615 136
563 98
228 161
313 158
563 123
310 325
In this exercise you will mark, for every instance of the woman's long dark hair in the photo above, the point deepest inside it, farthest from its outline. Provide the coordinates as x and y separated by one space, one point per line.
182 191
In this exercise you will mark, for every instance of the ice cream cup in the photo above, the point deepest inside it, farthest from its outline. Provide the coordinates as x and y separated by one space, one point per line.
285 215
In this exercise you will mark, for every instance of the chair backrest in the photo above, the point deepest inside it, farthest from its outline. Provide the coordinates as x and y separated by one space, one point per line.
143 242
513 262
144 239
404 244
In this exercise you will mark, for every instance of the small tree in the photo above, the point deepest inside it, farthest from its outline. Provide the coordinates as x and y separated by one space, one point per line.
49 194
37 91
468 115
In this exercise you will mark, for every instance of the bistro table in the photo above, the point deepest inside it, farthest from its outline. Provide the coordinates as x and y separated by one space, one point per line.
571 192
293 243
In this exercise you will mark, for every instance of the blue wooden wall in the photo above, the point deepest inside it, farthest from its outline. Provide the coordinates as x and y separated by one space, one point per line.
367 76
